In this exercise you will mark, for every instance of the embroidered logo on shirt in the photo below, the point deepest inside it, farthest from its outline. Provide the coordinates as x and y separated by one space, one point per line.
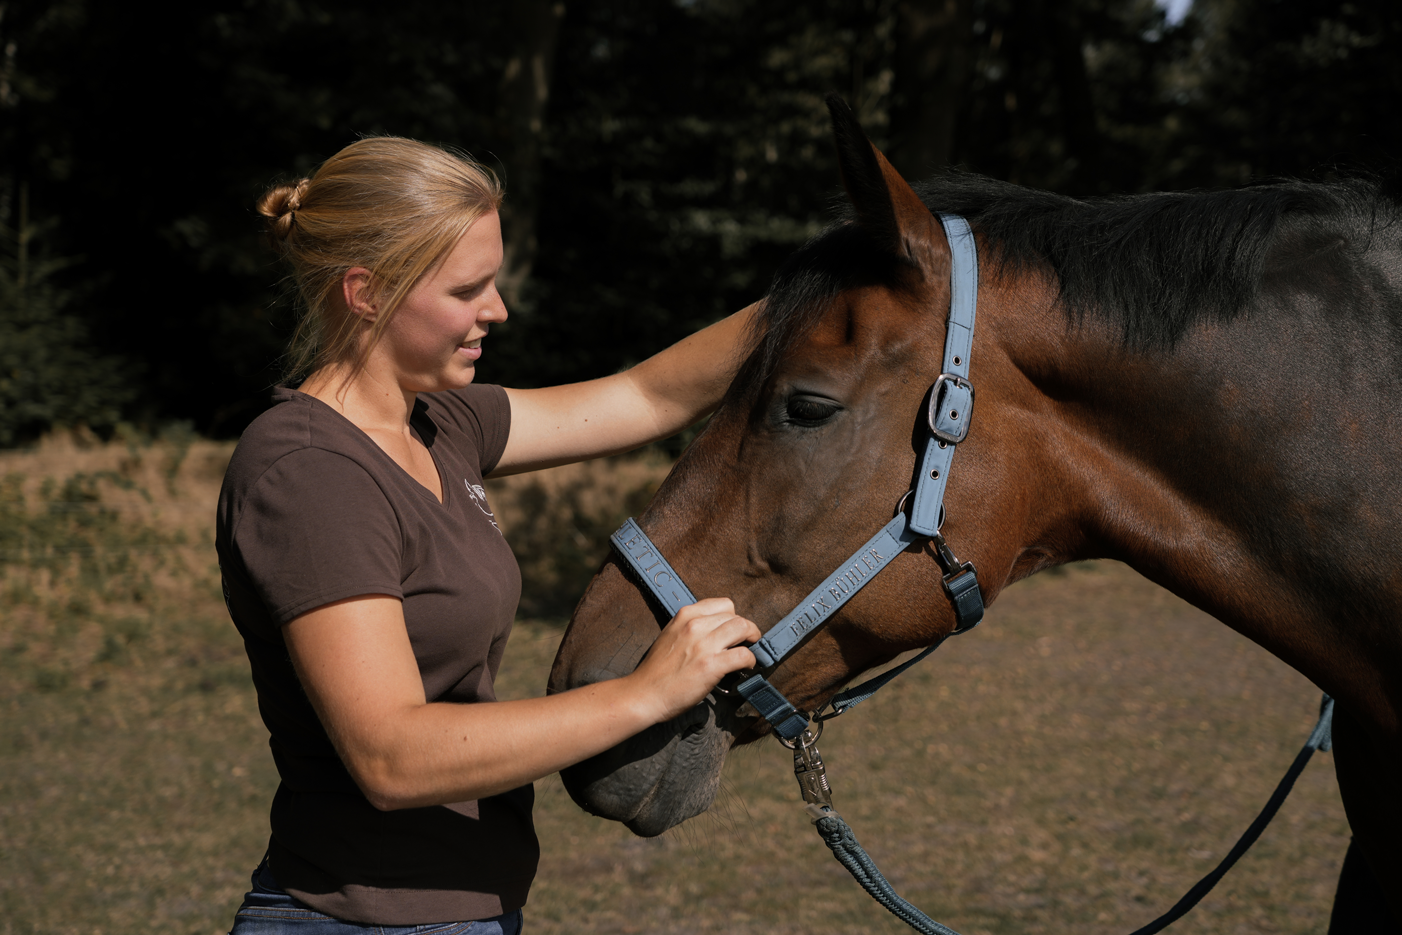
479 497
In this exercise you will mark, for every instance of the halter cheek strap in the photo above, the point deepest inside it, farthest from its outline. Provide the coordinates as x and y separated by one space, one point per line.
952 397
948 417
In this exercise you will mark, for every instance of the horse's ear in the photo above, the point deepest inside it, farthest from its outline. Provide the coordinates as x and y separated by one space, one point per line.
887 207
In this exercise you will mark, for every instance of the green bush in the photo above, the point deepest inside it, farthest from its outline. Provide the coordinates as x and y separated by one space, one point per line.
50 376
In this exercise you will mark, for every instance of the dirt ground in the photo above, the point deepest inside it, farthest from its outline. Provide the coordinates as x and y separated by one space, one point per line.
1074 764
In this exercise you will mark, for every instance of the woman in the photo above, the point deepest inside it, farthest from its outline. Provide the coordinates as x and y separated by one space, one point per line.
373 590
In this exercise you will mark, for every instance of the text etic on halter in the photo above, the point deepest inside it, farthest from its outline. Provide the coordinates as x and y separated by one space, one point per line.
951 401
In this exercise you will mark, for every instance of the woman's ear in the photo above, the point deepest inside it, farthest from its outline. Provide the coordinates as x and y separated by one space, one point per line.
357 290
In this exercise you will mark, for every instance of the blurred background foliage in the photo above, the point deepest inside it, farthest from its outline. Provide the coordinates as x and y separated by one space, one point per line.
660 158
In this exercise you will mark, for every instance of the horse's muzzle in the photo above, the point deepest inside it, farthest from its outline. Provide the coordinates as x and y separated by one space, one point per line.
657 779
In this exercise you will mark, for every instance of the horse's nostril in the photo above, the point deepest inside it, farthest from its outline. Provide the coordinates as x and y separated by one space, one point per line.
694 720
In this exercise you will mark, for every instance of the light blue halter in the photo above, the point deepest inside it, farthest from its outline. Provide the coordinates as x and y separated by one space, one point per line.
950 408
950 411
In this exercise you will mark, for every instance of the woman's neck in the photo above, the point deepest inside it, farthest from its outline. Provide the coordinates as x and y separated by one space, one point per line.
372 403
380 408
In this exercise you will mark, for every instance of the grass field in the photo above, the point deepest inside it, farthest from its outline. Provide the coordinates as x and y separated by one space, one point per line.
1073 765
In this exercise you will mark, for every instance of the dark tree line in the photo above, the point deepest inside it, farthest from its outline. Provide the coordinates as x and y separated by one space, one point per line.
660 157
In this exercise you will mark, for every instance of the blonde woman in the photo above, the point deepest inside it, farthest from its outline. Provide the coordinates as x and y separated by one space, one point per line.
373 590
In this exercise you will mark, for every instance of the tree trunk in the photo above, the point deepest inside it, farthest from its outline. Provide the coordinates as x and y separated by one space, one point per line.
932 67
525 91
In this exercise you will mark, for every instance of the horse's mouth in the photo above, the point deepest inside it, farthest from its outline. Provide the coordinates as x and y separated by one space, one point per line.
659 778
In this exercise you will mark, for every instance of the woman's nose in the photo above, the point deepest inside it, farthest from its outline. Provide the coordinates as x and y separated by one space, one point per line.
494 310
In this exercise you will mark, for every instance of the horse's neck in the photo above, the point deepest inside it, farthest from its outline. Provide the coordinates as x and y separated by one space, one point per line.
1248 469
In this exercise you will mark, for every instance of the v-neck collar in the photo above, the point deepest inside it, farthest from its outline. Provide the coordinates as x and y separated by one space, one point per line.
420 412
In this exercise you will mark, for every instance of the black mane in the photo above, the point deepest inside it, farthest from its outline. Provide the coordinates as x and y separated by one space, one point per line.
1155 264
1152 264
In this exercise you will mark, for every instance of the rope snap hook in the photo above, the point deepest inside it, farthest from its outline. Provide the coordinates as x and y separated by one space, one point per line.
811 774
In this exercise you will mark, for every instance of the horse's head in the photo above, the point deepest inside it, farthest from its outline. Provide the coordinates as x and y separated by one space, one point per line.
814 446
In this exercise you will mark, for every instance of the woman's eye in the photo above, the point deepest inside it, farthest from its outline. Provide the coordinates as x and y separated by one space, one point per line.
810 411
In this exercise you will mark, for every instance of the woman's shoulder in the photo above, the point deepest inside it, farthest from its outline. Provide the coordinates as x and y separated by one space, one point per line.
480 412
479 402
297 426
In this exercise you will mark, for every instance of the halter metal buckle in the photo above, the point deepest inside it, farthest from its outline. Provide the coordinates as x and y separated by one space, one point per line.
951 408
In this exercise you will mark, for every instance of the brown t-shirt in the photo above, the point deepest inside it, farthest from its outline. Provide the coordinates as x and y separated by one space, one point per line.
313 511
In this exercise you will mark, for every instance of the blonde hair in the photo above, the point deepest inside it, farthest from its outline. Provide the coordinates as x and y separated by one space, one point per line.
394 206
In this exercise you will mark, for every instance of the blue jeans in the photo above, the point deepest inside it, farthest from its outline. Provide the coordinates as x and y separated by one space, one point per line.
267 910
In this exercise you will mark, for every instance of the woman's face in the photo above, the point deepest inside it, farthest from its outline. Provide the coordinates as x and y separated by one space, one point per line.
435 338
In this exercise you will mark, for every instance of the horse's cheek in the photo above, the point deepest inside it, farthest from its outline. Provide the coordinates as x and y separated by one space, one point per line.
608 635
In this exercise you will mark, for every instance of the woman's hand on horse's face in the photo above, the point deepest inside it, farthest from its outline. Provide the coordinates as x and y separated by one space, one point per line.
701 645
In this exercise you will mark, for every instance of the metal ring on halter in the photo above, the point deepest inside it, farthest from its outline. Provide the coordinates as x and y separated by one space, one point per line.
900 508
793 744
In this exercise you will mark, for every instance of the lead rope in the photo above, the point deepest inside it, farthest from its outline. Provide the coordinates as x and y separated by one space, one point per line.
838 836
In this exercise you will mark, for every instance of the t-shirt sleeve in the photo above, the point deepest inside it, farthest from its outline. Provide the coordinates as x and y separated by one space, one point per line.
315 528
484 413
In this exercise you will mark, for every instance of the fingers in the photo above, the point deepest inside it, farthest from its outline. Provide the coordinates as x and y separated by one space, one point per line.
714 613
737 658
713 625
736 631
702 644
707 606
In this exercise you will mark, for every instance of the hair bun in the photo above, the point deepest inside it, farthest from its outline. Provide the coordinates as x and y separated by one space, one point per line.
280 204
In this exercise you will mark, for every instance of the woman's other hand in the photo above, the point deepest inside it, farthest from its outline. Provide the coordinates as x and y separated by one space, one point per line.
664 394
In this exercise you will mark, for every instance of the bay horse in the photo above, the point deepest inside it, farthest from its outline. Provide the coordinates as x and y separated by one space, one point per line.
1200 385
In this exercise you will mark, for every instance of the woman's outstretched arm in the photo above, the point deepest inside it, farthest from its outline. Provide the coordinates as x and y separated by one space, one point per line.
659 397
357 666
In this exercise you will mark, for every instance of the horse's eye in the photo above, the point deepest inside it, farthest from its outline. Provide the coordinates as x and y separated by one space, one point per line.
810 411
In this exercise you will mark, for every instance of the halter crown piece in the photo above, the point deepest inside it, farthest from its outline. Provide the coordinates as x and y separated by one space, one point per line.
948 417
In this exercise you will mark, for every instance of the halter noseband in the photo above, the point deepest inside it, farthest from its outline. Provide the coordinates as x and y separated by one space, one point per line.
948 418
